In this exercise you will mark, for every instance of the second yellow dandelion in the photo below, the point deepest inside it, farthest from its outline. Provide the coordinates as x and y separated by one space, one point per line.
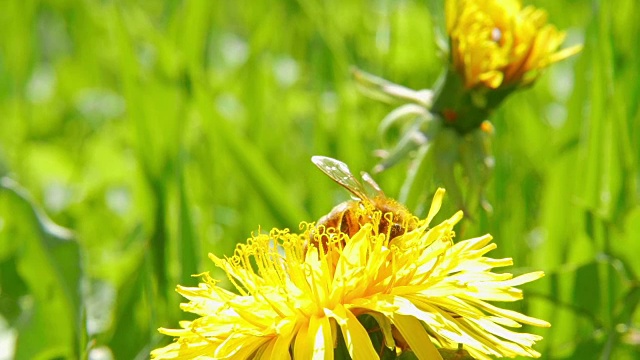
498 43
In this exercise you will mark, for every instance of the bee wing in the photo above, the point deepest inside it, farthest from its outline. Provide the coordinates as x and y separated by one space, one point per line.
340 173
373 185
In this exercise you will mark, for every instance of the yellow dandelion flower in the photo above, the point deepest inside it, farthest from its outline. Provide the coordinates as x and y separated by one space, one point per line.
297 300
498 43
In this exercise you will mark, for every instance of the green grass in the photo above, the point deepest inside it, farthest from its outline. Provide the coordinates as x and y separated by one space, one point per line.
156 132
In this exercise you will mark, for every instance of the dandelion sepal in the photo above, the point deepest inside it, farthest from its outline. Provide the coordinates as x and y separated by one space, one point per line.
461 108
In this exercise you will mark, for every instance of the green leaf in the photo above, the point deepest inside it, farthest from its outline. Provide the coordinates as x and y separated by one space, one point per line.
49 263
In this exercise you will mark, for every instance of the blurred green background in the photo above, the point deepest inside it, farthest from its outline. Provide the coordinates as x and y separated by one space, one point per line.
154 132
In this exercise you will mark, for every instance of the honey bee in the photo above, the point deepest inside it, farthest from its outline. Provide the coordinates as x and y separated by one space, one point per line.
348 216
